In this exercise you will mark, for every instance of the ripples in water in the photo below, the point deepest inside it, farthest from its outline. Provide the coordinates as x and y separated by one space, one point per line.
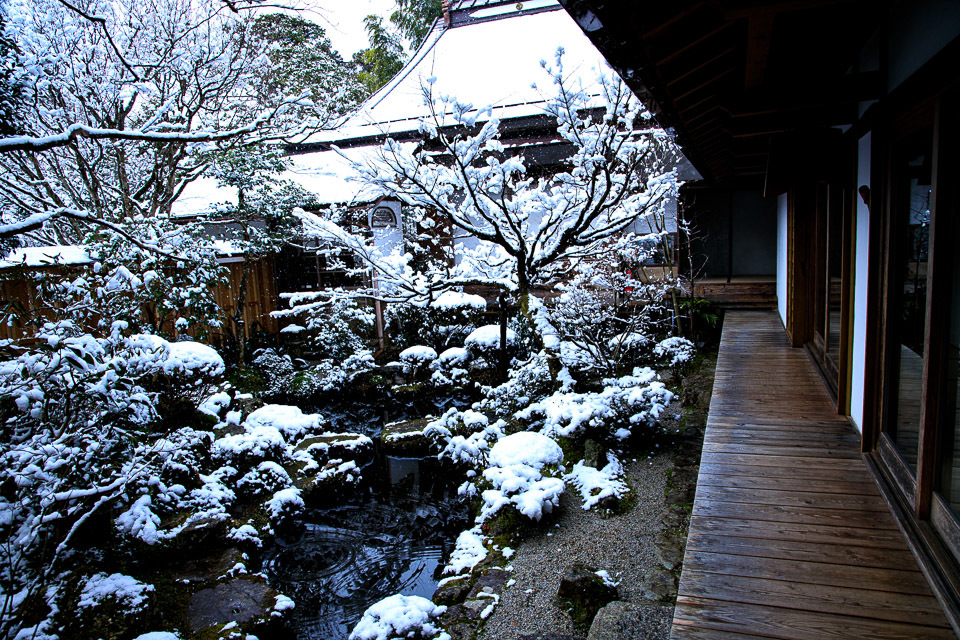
349 557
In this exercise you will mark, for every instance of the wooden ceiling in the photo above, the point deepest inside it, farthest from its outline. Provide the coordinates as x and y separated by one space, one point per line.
729 75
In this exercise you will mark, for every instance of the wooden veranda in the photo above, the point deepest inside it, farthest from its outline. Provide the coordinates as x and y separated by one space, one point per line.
789 536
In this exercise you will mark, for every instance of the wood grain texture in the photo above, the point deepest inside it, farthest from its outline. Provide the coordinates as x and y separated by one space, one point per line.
789 536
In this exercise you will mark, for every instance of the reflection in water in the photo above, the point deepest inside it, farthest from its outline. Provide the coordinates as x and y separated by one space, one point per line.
351 556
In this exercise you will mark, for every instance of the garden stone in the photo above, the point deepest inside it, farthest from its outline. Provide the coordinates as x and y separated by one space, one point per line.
240 600
610 621
406 439
670 550
659 586
453 592
584 592
593 454
548 636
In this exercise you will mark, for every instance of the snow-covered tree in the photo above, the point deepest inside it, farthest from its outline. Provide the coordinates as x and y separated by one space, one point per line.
120 98
518 226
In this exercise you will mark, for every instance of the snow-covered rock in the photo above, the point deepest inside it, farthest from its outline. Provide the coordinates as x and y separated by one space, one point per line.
527 448
129 594
400 616
288 420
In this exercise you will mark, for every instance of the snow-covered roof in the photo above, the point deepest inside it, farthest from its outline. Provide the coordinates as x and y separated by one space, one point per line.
489 56
45 256
328 175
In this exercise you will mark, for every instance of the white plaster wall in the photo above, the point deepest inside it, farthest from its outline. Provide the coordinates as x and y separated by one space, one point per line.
862 226
782 257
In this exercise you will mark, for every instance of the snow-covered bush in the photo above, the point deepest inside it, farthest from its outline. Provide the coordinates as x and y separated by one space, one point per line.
464 437
526 383
624 405
515 476
441 323
336 328
400 616
450 369
484 343
417 359
266 478
284 505
597 486
608 318
675 351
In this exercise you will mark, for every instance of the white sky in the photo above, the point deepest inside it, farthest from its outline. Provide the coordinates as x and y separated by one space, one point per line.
343 20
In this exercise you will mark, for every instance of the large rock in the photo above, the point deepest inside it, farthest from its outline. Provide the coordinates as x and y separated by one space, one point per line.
660 585
453 591
613 620
240 600
627 620
583 592
406 439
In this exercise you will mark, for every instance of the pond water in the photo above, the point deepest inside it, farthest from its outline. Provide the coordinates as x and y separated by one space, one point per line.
392 537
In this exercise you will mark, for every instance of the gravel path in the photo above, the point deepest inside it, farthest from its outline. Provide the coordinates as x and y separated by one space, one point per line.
623 545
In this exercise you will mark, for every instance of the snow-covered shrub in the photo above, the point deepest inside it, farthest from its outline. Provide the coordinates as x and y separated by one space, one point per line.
525 384
336 328
276 369
441 323
256 444
597 486
400 616
607 317
624 404
450 369
284 505
333 363
290 421
464 436
515 476
417 359
484 343
468 552
675 351
265 478
128 594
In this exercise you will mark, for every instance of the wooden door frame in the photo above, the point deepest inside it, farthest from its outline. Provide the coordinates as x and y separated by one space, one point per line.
928 523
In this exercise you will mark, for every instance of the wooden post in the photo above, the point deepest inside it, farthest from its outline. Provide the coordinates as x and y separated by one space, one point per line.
503 336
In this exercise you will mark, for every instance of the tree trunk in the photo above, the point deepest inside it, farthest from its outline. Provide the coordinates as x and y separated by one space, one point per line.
239 326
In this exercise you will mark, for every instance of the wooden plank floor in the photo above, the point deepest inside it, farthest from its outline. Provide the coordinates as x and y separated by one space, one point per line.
789 536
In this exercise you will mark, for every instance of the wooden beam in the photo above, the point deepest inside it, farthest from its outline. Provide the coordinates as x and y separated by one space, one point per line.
759 39
712 79
675 54
702 65
669 22
736 13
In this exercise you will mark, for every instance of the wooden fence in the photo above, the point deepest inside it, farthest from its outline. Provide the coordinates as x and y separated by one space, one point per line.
19 296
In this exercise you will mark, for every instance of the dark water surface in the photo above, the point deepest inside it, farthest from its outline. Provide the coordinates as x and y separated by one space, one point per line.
394 537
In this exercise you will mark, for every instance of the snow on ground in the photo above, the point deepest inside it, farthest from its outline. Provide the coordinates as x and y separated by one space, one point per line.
400 616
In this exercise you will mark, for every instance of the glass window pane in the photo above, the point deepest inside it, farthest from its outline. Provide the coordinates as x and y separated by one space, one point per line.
911 238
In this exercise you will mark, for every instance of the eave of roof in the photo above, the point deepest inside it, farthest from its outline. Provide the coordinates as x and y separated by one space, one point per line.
729 76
